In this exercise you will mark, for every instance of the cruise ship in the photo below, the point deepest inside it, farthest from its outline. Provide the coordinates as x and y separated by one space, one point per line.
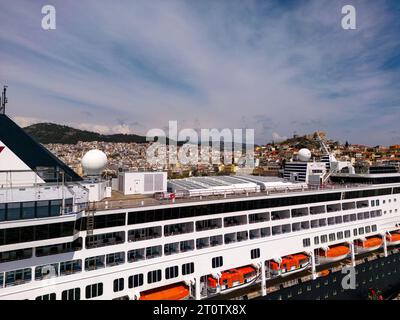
141 236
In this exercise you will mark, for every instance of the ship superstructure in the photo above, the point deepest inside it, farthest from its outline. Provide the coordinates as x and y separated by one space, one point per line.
62 237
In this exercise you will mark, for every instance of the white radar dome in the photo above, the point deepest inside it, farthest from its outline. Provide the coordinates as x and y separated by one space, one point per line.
94 162
304 155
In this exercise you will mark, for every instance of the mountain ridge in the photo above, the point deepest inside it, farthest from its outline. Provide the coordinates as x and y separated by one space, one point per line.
56 133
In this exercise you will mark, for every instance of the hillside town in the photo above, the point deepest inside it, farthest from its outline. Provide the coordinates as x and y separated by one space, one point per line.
269 158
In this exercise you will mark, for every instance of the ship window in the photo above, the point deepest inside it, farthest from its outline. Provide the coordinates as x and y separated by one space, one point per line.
71 294
135 281
255 253
154 276
355 232
346 218
94 263
374 228
171 248
360 231
347 234
70 267
14 255
324 238
210 224
332 237
144 234
59 248
203 243
171 272
360 215
362 204
255 234
17 277
235 221
259 217
300 212
14 211
153 252
322 222
55 207
50 296
229 238
178 228
118 284
217 262
215 240
242 236
340 235
333 207
316 240
366 215
317 210
94 290
279 215
296 226
136 255
105 239
338 220
368 229
372 203
109 220
306 242
314 224
187 245
28 210
265 232
276 230
46 271
115 259
331 221
2 211
187 268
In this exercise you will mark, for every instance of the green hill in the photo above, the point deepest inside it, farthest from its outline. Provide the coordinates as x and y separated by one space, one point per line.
55 133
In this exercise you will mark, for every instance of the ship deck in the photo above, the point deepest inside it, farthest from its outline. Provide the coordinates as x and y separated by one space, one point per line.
120 201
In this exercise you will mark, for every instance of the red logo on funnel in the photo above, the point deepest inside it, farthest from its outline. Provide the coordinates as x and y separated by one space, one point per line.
1 148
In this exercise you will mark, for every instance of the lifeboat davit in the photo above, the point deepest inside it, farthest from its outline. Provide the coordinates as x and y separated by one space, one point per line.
332 254
368 245
233 278
289 265
177 291
393 239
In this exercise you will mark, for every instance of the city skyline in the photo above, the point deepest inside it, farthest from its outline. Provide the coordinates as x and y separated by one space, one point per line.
277 67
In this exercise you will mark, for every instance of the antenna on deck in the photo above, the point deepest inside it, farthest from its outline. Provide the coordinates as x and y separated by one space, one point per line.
3 100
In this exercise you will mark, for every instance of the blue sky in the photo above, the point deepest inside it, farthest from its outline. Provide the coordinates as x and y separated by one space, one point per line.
275 66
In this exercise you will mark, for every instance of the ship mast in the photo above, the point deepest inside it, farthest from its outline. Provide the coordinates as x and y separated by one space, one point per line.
3 101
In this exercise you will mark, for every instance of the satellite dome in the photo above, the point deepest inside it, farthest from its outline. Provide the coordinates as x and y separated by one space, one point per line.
94 162
304 155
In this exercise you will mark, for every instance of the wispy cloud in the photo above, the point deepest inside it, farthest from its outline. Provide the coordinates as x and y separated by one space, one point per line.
276 66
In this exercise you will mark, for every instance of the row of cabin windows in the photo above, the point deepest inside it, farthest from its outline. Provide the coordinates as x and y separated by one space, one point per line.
183 246
38 232
49 231
139 217
339 235
23 276
33 209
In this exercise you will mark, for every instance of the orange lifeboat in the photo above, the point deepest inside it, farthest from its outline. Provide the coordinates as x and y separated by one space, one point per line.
232 278
393 239
332 254
289 264
177 291
367 245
